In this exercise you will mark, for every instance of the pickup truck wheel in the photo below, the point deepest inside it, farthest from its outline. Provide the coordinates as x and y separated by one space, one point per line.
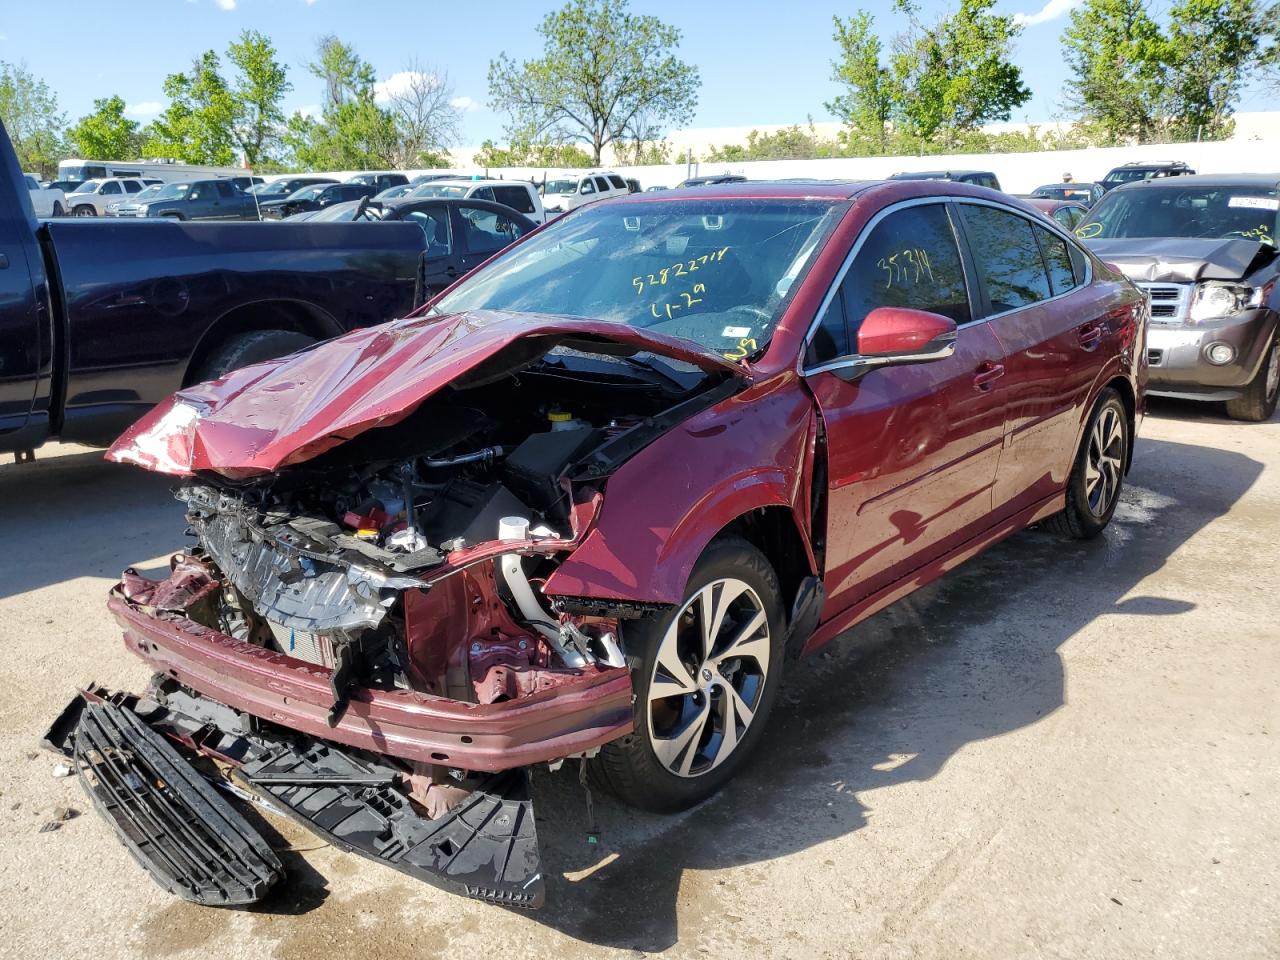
1258 402
1093 489
705 676
249 348
85 210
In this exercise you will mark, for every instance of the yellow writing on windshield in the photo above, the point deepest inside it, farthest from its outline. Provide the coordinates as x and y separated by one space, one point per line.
746 346
1087 231
680 301
681 268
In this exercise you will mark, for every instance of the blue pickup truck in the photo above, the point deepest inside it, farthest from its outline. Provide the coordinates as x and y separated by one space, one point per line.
100 319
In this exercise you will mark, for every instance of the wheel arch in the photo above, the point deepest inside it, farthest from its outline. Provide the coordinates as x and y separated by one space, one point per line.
291 315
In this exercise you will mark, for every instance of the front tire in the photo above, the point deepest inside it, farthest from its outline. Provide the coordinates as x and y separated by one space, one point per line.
249 348
85 210
1093 489
1258 402
705 676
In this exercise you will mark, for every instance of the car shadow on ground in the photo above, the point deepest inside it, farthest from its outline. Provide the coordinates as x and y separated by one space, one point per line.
47 506
973 656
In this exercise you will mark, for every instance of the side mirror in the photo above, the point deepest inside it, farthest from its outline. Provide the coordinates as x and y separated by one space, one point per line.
892 336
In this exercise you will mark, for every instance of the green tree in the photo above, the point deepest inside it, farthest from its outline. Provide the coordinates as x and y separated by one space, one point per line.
352 131
1212 47
1116 52
30 113
523 153
106 133
866 106
1134 81
601 67
198 126
956 76
260 85
789 143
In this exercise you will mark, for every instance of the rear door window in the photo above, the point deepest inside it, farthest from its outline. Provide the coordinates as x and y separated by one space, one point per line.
602 184
1057 261
617 181
911 258
517 198
1007 255
132 186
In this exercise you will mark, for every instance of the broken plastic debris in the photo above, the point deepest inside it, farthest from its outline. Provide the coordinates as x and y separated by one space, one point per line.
61 770
60 816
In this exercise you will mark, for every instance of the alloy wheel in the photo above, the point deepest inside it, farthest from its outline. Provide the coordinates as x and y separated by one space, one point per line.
708 677
1105 462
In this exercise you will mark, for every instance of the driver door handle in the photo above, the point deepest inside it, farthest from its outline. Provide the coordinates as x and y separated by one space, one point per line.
1090 335
987 373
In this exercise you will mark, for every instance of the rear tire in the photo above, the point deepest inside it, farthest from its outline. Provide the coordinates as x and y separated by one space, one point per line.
249 348
1258 402
687 744
1097 476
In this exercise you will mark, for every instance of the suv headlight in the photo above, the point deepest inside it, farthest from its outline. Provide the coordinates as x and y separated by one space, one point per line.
1214 300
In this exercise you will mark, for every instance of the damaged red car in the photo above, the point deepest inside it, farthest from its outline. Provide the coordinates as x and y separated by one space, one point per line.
587 505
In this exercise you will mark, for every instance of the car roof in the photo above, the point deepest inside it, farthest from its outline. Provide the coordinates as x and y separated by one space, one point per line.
1206 180
481 182
939 174
1151 164
1073 185
758 190
1049 205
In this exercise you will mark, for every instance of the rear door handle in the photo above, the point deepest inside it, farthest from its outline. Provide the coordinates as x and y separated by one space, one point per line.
987 374
1090 336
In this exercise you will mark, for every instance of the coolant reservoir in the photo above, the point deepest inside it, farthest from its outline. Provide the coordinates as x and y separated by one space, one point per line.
513 528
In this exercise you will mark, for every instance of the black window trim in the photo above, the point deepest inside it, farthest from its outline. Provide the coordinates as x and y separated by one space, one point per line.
966 265
1036 220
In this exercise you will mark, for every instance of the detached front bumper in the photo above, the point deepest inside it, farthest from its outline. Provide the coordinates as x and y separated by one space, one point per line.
571 718
1178 356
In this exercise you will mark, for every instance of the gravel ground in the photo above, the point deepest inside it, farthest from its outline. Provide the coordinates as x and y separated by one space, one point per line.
1061 750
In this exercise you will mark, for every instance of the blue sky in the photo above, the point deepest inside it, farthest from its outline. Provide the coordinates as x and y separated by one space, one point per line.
761 62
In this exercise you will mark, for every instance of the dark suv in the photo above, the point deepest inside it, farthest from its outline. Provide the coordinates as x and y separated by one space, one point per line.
1134 172
979 178
315 197
196 200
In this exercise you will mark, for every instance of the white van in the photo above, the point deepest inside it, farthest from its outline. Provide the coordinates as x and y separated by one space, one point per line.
519 195
568 191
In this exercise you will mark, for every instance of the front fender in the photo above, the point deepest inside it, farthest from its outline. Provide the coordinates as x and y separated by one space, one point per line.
665 505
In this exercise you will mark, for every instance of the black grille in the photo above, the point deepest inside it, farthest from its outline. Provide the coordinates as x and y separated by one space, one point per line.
190 839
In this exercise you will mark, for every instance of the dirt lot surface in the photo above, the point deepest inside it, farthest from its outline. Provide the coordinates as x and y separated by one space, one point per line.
1061 750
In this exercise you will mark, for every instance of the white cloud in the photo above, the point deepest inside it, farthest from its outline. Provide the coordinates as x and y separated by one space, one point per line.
1052 10
465 104
226 4
395 84
311 110
148 108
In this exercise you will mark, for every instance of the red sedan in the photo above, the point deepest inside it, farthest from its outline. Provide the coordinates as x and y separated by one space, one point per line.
589 502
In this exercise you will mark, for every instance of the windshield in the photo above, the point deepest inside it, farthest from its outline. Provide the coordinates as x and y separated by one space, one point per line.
307 193
172 191
560 186
1129 176
150 193
87 187
714 271
277 188
439 190
1219 212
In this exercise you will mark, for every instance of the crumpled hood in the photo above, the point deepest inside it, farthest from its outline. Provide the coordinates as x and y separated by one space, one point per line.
281 412
1179 259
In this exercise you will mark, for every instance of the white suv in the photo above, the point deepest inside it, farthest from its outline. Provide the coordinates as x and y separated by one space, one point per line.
568 191
520 195
48 202
90 199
